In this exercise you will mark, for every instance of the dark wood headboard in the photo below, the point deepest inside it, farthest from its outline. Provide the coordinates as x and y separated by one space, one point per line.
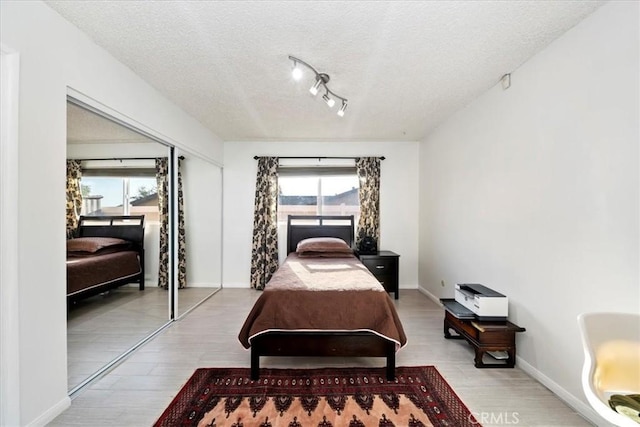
301 227
129 228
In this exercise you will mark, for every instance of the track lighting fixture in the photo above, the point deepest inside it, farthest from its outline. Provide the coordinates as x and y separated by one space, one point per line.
321 80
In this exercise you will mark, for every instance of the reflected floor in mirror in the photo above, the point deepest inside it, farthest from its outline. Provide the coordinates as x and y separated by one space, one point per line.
102 327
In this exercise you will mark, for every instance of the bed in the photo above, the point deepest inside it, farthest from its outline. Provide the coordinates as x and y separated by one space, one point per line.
105 253
322 303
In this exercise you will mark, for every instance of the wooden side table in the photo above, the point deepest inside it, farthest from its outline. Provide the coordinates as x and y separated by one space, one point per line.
384 266
484 337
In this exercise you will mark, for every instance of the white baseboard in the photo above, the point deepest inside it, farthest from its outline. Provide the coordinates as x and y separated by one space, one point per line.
578 405
236 285
203 285
429 295
151 284
51 413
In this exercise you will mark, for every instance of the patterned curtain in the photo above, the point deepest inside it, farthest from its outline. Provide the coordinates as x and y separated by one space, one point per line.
74 196
264 253
368 170
162 178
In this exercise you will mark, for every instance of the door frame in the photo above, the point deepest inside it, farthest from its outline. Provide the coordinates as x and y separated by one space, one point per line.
9 285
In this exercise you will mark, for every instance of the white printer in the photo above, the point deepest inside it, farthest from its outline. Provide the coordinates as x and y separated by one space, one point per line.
485 303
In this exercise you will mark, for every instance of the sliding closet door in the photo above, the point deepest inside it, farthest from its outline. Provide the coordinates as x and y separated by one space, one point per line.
118 176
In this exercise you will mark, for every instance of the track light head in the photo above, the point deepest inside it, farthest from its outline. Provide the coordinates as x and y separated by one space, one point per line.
314 88
344 107
321 79
296 73
330 102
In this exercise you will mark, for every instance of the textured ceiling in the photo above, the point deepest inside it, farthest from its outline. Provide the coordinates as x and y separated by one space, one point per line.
85 127
405 66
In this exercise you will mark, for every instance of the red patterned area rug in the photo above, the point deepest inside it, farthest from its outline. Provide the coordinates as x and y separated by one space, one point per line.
337 397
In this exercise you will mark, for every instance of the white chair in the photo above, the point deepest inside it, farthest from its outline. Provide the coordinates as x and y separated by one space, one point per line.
611 344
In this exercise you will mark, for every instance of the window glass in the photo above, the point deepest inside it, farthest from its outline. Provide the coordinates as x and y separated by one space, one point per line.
143 198
318 195
109 195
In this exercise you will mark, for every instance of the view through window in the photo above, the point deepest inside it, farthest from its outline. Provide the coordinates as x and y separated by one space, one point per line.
306 194
123 195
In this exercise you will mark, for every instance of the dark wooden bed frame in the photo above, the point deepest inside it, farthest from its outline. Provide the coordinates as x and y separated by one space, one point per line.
313 343
127 227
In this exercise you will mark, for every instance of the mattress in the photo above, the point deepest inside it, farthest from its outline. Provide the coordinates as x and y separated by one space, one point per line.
85 272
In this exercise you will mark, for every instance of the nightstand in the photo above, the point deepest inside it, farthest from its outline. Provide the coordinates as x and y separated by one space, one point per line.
384 266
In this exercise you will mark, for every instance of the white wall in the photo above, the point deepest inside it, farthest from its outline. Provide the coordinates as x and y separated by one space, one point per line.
533 191
398 199
53 56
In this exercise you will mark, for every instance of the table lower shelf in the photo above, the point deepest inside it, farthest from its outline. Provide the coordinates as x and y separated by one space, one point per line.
485 337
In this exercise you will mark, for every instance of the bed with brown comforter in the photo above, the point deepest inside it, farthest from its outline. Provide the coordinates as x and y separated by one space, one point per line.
108 252
322 303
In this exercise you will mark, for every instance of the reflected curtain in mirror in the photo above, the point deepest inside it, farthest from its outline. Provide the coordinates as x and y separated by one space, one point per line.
264 252
368 170
182 247
74 195
162 178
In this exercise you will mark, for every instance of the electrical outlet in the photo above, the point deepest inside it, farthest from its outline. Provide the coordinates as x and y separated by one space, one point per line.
506 81
442 283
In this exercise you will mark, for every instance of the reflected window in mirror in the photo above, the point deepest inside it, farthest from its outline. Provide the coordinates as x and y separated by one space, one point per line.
120 191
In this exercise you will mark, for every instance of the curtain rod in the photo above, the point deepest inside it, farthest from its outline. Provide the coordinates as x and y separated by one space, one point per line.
315 157
126 158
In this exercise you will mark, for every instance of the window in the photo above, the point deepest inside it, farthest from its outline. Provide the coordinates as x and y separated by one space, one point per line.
119 195
311 191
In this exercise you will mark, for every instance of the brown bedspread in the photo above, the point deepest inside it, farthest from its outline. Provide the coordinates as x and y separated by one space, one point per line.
87 271
323 294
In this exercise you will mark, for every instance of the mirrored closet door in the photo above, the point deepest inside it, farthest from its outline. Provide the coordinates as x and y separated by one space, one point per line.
118 173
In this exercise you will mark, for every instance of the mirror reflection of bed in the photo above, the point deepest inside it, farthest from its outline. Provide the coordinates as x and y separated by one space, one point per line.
107 322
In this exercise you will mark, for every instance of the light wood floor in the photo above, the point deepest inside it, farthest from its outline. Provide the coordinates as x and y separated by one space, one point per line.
136 392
